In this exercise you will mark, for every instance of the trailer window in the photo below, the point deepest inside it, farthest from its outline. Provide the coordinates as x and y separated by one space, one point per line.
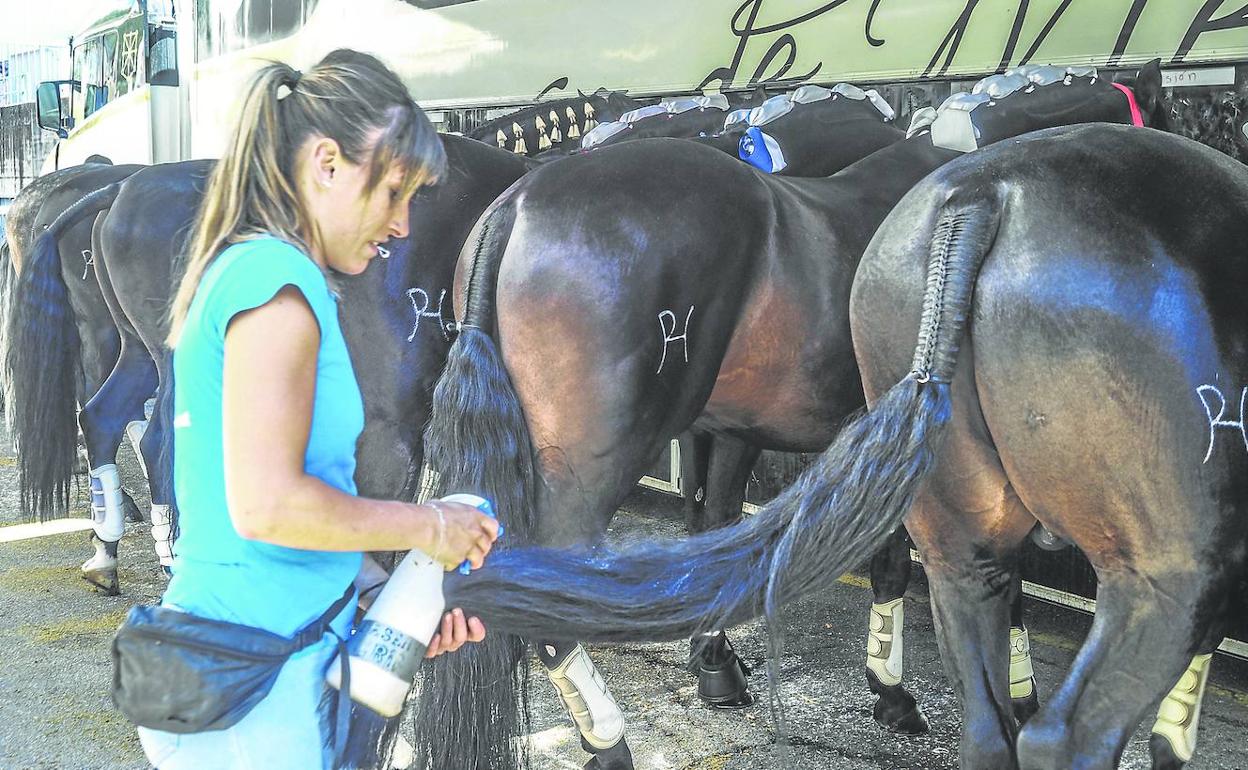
108 71
88 71
272 19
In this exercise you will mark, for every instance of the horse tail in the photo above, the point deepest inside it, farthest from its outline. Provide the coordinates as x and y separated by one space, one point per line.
42 367
471 705
836 514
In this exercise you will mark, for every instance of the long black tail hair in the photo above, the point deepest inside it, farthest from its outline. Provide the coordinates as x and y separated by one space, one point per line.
474 704
836 514
42 366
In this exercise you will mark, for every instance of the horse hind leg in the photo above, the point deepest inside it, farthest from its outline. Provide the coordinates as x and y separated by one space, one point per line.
723 677
577 498
694 449
895 708
1139 617
969 524
159 480
103 421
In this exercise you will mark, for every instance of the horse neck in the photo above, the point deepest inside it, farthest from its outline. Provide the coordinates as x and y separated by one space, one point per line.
468 159
886 175
877 182
827 148
727 142
1021 113
686 125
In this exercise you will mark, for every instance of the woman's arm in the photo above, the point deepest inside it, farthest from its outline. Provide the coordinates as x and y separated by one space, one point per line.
269 386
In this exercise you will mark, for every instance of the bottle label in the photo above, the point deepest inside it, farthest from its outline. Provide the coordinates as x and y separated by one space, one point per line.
387 648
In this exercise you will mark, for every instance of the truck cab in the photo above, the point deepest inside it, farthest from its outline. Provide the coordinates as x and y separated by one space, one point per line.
124 99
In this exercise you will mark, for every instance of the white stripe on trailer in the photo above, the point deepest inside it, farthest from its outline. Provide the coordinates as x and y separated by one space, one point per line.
32 530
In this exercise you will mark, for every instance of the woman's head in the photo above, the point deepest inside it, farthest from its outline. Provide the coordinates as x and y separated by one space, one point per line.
327 159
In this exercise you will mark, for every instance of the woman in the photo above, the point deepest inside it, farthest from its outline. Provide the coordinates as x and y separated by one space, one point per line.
318 172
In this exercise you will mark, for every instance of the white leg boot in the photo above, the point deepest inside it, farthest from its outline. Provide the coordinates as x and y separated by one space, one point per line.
1179 715
108 524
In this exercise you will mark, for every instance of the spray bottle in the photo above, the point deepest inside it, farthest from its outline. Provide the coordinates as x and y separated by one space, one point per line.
387 649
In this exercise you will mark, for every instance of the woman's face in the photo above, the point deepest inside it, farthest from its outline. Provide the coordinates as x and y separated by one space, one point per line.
350 221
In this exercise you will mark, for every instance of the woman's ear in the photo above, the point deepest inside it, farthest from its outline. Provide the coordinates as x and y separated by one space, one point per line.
325 156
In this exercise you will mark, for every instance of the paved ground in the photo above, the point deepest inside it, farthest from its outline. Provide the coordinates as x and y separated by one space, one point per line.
55 711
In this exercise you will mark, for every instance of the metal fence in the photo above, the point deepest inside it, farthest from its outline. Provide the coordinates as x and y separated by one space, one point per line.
23 148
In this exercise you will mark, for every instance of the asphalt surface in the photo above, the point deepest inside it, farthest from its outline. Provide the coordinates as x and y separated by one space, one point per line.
55 710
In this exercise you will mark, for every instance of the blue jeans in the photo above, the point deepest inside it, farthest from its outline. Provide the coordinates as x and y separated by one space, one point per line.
282 732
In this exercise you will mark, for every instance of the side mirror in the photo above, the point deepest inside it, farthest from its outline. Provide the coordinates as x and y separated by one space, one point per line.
48 102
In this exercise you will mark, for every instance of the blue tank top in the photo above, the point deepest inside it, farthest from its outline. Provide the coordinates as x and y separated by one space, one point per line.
217 573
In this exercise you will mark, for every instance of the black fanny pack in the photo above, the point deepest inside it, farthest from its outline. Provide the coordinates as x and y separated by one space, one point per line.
180 673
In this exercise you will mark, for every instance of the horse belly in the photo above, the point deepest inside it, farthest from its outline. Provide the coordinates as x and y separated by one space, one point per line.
785 383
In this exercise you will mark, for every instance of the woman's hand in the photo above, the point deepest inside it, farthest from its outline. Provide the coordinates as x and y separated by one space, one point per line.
455 631
459 532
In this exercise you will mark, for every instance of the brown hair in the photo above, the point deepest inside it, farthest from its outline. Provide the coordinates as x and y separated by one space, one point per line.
348 97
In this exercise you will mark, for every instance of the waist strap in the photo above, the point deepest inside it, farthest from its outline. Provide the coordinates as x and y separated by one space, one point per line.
312 632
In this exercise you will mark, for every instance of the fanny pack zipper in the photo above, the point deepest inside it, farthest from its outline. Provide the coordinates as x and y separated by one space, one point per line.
210 647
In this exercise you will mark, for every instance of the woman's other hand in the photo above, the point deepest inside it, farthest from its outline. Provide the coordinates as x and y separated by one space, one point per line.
461 533
455 631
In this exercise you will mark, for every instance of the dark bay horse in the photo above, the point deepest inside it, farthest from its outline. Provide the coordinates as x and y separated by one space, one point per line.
814 131
1080 351
60 346
558 124
836 130
642 288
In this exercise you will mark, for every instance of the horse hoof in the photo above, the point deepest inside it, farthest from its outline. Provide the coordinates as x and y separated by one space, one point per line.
618 757
896 710
1163 754
722 682
101 569
104 581
1025 708
903 722
726 687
